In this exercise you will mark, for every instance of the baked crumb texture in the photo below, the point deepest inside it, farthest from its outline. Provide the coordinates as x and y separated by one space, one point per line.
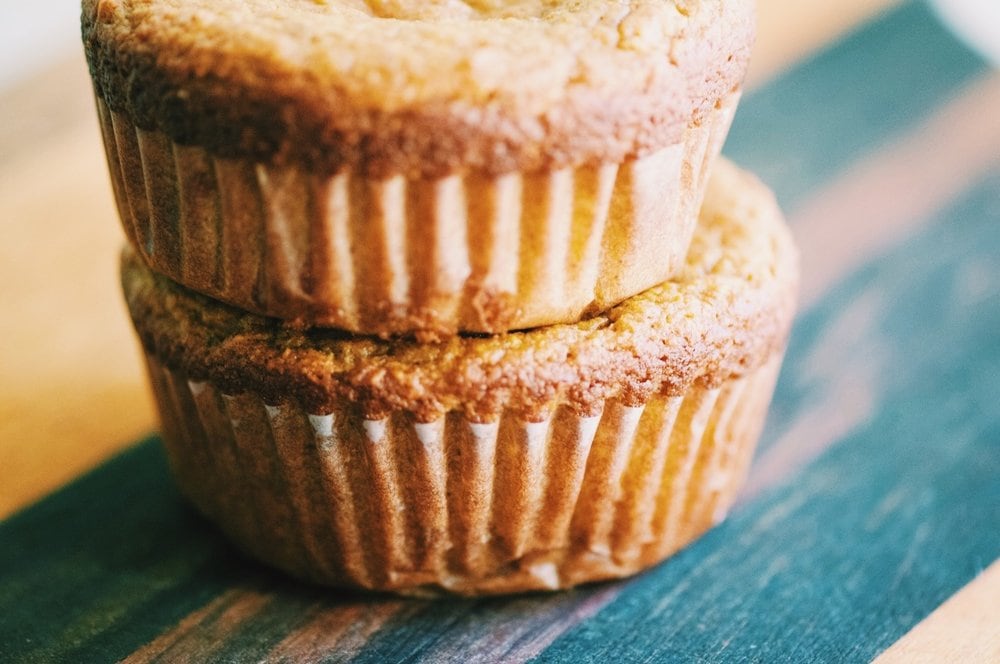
528 461
422 168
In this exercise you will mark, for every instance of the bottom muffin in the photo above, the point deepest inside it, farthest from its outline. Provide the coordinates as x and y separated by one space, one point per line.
534 460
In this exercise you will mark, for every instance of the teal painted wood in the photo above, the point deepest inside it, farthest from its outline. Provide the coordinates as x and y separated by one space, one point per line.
810 124
102 566
832 565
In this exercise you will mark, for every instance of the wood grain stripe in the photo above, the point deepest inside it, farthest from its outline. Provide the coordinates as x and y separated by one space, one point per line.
312 627
892 193
880 202
195 636
806 128
341 630
966 628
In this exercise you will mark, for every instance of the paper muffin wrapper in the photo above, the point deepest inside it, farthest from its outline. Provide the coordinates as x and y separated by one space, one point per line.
467 252
459 506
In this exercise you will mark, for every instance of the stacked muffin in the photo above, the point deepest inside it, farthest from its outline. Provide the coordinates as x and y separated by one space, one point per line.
423 287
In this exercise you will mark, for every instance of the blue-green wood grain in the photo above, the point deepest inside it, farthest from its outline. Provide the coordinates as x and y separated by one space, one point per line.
810 124
102 566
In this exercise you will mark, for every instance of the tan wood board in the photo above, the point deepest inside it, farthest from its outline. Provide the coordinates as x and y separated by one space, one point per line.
965 629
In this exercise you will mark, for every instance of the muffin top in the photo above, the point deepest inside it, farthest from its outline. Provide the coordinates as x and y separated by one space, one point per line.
727 313
418 87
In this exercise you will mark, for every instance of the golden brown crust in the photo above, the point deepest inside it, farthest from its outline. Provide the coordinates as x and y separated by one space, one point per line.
501 87
726 313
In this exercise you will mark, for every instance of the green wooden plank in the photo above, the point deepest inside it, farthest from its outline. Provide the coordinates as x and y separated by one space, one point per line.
810 124
103 565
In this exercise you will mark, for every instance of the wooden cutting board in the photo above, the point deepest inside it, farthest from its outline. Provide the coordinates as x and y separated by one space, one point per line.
875 498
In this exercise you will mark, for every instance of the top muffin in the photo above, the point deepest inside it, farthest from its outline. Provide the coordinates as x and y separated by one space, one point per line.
421 88
414 168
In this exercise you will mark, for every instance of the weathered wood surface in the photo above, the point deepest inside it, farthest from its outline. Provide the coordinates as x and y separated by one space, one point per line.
875 497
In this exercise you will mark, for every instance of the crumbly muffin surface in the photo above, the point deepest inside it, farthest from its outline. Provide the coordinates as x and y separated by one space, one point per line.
419 87
727 313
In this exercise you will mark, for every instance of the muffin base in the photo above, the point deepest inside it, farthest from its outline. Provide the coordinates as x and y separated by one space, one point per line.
468 252
457 506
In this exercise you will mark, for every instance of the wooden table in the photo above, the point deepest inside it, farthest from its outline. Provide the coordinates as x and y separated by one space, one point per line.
871 146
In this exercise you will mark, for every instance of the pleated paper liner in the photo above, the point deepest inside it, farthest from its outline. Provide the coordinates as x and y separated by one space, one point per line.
461 253
458 506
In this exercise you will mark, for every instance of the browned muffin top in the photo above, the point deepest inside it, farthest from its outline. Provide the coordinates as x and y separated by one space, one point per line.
418 87
727 313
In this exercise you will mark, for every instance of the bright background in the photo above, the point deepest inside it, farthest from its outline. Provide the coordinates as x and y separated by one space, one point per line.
35 34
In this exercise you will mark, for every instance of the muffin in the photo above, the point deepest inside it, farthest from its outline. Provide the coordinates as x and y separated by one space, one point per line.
528 461
414 167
